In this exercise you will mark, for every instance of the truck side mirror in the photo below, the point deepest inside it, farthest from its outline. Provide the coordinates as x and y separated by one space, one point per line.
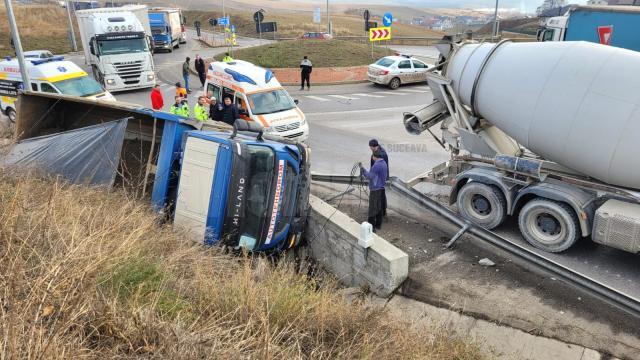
296 101
92 49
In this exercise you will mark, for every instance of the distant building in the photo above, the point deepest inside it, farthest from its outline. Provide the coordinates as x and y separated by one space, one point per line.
623 2
597 2
418 21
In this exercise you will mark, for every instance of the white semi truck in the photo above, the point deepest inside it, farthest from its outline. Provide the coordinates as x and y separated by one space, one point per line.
545 132
116 44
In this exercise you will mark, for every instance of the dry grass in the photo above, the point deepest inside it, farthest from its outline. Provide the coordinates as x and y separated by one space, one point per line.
90 273
40 27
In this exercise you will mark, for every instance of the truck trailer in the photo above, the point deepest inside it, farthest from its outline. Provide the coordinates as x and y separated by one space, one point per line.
116 45
547 132
225 186
608 25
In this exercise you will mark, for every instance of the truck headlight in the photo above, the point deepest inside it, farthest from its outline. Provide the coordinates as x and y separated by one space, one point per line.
110 81
303 122
150 77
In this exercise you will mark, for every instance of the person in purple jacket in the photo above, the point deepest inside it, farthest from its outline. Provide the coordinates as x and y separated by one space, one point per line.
377 176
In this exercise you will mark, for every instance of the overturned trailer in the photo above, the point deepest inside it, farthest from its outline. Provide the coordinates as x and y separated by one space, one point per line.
225 187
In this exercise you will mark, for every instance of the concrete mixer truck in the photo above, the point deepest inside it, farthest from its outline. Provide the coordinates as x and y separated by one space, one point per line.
545 132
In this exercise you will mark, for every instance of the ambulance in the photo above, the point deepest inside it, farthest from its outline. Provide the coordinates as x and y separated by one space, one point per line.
47 73
259 98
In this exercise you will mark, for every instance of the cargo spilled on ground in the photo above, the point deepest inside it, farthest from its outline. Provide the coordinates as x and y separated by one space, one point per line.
87 271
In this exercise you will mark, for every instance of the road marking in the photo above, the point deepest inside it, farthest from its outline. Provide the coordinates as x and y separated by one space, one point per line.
391 93
416 91
343 97
316 98
369 95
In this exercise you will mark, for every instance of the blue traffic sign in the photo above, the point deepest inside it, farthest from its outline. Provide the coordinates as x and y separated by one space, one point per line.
387 19
233 28
223 21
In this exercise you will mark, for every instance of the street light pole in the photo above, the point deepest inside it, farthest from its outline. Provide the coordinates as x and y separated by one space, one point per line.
74 45
328 19
495 21
18 45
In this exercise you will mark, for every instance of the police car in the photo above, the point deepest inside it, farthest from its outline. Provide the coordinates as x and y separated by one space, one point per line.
394 71
47 73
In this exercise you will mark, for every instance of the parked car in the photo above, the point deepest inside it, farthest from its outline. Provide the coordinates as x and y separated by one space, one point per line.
394 71
316 36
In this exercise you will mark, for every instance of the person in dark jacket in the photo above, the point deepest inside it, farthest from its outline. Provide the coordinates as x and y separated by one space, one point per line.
377 175
200 69
375 146
215 108
185 74
305 73
229 112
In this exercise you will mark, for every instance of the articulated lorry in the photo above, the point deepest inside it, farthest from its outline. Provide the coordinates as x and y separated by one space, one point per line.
116 44
225 187
608 25
167 28
546 132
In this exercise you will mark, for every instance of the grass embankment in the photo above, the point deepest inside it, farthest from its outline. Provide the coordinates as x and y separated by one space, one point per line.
90 273
287 54
295 24
40 27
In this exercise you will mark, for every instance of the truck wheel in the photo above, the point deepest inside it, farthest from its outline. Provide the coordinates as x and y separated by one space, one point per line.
483 205
11 114
394 83
548 225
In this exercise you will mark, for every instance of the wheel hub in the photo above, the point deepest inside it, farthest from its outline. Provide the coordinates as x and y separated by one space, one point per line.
548 224
481 205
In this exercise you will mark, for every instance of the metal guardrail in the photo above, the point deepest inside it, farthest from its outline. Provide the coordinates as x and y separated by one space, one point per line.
582 282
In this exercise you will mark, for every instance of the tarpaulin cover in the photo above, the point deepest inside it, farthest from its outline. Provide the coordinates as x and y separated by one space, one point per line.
88 155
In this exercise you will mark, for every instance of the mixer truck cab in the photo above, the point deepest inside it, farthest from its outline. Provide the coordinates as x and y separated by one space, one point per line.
259 97
47 73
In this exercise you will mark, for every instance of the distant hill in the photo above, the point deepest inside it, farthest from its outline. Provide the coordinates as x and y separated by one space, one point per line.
521 26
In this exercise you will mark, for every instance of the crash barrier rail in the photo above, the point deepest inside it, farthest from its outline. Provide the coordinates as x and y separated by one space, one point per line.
582 282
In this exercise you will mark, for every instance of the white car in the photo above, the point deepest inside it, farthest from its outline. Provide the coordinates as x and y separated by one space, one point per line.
394 71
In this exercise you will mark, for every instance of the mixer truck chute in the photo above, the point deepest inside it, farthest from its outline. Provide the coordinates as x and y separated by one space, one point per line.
546 132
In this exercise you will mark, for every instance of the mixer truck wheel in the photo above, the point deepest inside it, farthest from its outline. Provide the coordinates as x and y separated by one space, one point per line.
394 83
548 225
11 114
482 204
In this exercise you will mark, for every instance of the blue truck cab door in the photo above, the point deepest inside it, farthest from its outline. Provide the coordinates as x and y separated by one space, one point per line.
200 188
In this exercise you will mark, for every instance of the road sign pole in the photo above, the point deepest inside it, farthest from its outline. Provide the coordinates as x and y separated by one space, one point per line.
260 29
328 19
495 21
18 45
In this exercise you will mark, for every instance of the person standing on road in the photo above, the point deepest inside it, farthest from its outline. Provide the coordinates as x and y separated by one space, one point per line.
201 69
375 146
185 74
180 91
200 111
227 58
305 72
229 112
377 176
157 101
215 109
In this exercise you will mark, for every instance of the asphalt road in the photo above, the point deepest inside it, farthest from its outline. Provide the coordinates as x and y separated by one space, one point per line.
342 120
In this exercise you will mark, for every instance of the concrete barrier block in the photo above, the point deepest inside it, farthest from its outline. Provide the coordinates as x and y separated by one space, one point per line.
333 241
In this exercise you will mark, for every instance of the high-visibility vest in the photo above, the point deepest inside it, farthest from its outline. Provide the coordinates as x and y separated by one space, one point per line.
180 110
227 59
200 112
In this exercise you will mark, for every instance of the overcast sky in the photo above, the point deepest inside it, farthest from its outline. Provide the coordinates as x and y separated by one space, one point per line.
525 5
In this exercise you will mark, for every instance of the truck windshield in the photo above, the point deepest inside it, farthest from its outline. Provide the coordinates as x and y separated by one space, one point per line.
124 46
158 30
270 102
261 173
80 86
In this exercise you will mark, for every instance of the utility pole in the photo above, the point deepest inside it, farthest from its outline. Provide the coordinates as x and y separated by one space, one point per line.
328 19
26 84
495 21
72 33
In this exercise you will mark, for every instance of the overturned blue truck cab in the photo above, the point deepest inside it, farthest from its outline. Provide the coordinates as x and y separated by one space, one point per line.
226 187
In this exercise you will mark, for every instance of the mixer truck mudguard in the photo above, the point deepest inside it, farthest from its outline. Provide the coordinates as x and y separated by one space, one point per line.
225 187
535 137
608 25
